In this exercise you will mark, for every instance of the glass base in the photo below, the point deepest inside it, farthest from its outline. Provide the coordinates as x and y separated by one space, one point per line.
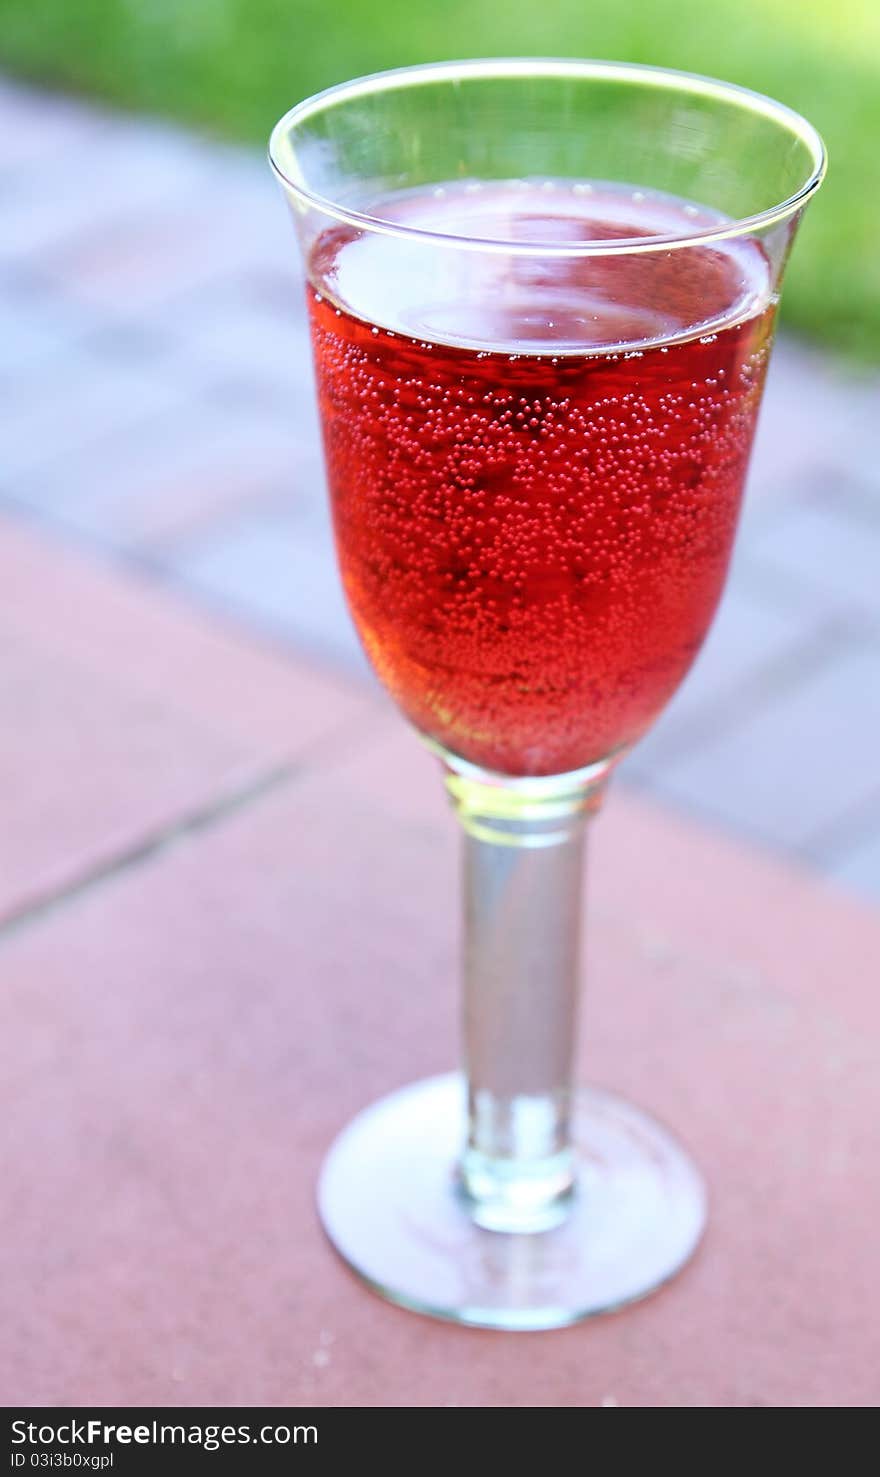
390 1203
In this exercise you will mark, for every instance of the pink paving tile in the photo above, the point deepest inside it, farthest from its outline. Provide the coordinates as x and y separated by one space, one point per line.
189 1037
126 714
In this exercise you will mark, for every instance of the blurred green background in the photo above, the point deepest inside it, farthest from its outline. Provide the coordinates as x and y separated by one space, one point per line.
235 65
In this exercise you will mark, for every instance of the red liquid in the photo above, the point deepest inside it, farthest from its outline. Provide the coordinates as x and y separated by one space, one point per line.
533 538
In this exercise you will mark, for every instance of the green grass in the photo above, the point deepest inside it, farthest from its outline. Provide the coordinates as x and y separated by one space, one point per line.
235 65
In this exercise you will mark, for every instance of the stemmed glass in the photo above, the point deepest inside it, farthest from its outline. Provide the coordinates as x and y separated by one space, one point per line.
542 297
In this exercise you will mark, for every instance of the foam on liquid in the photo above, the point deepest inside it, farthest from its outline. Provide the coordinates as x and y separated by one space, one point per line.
495 302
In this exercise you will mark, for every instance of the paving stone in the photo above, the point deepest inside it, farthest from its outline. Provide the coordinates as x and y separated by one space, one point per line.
120 720
281 575
36 329
90 768
785 772
858 867
828 544
40 127
232 1002
144 489
140 261
244 338
812 407
858 451
131 168
52 413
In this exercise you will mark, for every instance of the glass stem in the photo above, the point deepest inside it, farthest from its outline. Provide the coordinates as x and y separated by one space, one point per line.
523 892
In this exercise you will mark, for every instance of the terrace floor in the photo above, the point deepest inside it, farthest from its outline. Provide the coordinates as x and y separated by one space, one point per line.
149 297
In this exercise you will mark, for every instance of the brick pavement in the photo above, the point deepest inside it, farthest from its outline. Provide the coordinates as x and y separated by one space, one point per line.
225 929
158 407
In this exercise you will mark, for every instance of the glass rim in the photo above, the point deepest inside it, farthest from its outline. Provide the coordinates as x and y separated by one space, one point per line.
688 82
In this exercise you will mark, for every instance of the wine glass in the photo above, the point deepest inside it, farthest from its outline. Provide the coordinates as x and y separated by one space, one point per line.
542 297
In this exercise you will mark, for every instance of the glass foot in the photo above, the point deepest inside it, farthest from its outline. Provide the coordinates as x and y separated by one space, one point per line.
389 1203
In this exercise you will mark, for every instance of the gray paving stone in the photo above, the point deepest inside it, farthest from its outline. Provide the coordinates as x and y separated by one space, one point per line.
278 575
35 329
829 544
48 416
858 452
143 490
859 868
789 770
138 260
129 168
38 127
241 337
813 409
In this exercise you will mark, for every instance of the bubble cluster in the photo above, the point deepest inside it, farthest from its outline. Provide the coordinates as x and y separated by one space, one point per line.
533 546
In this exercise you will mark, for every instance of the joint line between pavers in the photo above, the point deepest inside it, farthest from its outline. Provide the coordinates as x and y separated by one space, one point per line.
334 747
155 844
